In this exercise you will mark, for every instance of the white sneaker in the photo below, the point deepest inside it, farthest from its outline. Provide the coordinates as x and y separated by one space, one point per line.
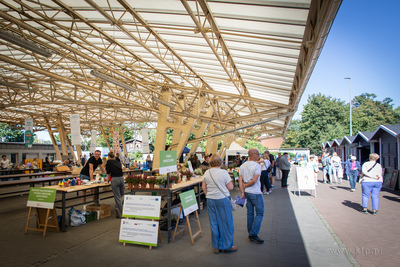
266 193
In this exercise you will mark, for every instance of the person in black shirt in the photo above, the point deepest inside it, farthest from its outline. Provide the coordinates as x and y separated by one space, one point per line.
83 160
92 164
114 172
205 162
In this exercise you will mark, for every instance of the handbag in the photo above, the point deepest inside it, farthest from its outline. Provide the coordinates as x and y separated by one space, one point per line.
233 204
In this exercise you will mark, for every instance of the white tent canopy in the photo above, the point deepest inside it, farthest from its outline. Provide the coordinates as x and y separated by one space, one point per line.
235 149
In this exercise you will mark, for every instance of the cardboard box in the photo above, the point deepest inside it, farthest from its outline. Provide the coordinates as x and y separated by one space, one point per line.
103 209
76 170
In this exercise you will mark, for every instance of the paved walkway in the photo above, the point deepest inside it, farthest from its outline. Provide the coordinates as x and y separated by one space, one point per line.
371 240
298 231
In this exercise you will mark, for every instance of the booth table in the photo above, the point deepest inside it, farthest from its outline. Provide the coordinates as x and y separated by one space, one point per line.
31 182
195 182
76 189
30 175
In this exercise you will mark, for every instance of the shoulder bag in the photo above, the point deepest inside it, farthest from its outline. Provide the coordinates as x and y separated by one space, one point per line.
233 204
362 174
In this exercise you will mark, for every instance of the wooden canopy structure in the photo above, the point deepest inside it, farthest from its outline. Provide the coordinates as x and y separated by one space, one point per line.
229 68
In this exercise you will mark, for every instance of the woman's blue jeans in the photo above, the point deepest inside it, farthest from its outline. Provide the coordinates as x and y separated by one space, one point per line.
353 179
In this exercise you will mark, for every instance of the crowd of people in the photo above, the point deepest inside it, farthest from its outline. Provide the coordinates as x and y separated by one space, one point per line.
255 176
369 175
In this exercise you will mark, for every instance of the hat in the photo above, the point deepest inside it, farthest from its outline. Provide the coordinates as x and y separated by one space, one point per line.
352 157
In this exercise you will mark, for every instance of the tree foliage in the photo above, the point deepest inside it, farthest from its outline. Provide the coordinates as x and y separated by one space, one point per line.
255 144
325 118
9 134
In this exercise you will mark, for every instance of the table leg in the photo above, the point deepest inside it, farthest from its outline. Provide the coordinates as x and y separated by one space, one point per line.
96 196
169 195
63 212
198 197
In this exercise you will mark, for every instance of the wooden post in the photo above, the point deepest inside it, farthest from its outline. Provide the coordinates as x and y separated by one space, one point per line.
187 223
45 218
53 140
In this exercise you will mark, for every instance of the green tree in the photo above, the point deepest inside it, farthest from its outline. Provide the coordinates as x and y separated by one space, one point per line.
292 134
255 144
322 120
9 134
369 113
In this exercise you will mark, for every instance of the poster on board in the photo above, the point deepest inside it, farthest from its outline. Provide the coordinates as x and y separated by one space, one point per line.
138 232
145 141
168 161
189 202
41 198
93 140
75 129
143 207
305 178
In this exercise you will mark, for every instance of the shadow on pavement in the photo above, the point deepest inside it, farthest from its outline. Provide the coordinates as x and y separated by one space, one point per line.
353 205
396 199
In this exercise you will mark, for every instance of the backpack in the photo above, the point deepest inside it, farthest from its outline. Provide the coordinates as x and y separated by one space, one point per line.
324 161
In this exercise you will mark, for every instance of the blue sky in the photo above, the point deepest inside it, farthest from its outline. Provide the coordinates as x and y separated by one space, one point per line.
363 44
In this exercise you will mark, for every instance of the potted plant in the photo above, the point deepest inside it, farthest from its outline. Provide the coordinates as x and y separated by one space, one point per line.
175 176
142 181
136 179
129 180
187 174
198 171
151 180
171 181
161 180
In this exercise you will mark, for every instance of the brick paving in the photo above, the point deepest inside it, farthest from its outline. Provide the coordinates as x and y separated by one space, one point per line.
371 240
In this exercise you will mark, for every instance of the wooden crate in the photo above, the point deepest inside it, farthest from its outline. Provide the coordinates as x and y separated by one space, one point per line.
104 209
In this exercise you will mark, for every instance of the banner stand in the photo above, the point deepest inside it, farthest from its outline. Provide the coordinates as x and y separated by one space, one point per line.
46 218
305 180
145 210
187 223
159 232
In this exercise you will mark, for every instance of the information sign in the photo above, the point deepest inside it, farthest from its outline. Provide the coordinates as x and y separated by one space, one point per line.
168 161
305 178
41 198
144 207
138 232
189 202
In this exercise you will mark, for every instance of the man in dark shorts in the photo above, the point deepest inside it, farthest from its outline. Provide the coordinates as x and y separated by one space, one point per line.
91 165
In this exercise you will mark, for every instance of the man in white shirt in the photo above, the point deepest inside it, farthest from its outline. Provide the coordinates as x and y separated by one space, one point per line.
5 163
249 183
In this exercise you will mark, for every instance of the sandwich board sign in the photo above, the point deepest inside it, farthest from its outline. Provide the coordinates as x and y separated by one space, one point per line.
142 207
189 202
41 198
140 232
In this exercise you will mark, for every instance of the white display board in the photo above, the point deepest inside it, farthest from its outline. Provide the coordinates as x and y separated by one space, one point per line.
305 179
138 232
75 129
143 207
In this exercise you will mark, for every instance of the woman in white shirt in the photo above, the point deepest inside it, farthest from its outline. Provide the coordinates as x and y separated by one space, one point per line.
336 166
216 186
371 183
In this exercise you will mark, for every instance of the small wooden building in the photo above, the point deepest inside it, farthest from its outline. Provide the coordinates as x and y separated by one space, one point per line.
362 146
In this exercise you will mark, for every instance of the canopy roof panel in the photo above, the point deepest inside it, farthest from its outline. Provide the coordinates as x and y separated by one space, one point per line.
250 60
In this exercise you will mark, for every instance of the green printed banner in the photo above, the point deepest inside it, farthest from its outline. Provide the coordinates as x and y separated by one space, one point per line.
41 198
189 202
168 161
